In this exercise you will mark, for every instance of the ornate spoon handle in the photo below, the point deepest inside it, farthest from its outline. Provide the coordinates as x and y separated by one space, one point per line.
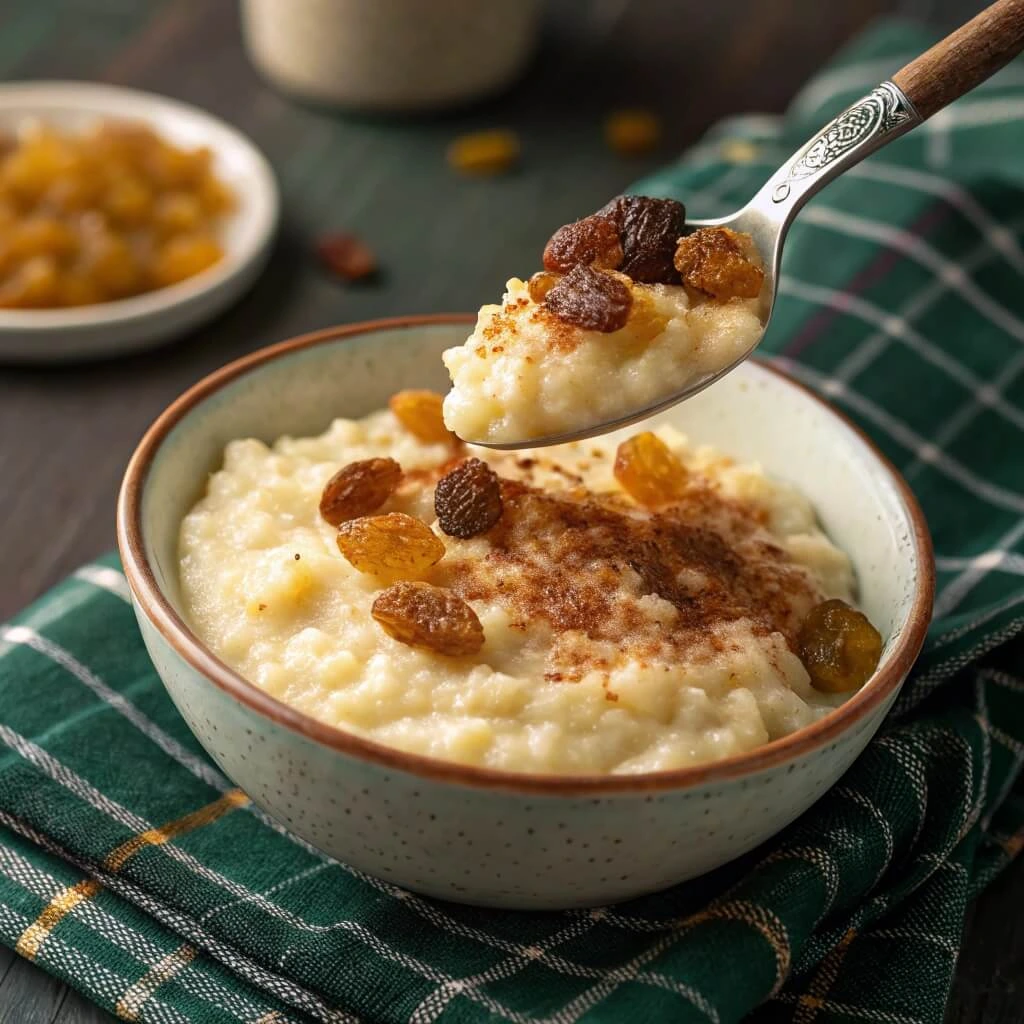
928 83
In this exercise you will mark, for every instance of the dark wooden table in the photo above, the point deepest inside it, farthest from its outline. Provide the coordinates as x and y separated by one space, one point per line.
446 243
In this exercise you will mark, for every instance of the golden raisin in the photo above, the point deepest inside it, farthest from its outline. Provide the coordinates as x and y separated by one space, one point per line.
185 256
632 132
428 617
420 412
713 261
839 647
393 544
484 152
649 471
540 284
359 489
591 299
593 241
467 500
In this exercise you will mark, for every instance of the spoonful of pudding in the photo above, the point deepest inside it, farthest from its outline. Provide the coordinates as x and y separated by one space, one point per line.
638 308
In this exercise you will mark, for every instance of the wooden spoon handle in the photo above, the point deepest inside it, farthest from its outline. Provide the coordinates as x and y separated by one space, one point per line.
965 58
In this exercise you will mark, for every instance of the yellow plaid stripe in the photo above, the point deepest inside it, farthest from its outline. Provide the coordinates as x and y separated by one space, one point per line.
131 1003
67 899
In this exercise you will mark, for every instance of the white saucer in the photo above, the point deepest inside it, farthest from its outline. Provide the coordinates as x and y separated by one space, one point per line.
144 321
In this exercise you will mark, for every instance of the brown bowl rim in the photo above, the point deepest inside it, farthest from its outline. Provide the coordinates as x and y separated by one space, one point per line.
158 610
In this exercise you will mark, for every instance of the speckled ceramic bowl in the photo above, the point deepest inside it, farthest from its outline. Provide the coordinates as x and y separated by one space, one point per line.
472 834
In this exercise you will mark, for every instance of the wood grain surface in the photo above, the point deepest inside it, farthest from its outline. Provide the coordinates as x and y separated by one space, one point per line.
446 244
965 58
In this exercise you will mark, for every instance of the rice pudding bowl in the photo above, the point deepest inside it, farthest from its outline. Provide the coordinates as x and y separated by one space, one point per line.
626 605
627 310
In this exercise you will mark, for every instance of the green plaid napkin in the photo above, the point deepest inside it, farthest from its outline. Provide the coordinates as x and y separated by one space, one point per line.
131 868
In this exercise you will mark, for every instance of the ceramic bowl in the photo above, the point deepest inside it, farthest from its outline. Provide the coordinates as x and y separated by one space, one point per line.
143 321
472 834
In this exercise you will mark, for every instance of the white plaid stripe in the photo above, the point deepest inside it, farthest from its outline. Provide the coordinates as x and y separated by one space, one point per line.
896 328
918 249
994 559
978 402
65 776
900 432
283 988
70 962
955 591
105 577
111 928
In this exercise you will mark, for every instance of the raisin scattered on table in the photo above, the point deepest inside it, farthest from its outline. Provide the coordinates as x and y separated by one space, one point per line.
649 471
394 544
649 229
839 647
591 299
593 241
632 132
346 256
359 489
467 500
421 413
484 153
712 261
428 617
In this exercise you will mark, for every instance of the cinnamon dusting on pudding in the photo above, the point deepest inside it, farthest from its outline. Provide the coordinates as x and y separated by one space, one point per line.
655 585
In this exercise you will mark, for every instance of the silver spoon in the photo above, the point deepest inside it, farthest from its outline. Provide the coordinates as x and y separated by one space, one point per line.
951 68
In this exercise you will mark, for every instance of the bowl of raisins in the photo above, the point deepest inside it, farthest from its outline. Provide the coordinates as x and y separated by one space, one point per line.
126 219
472 833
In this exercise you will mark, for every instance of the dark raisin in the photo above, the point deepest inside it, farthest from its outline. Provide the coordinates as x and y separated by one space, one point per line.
593 241
467 500
346 256
591 299
649 229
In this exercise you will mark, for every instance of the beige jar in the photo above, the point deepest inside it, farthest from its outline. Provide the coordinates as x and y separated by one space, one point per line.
390 55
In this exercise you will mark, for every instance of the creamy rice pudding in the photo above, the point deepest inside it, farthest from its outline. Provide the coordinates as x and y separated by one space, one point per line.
630 604
627 310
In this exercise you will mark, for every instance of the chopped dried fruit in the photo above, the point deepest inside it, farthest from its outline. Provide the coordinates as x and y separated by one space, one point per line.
649 471
359 489
713 261
346 256
390 545
429 617
420 412
467 501
632 132
591 299
484 152
649 229
541 283
839 647
593 241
